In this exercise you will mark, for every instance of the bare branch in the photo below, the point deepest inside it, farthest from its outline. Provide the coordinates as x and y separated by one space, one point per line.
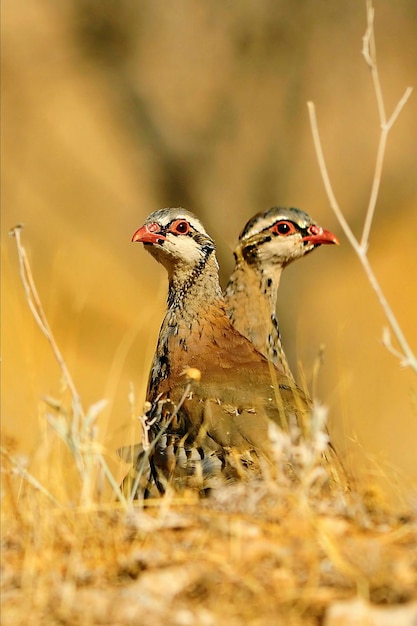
360 251
386 340
376 183
326 179
369 53
407 357
399 107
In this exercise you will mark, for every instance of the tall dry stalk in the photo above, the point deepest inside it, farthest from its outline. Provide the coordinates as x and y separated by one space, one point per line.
360 245
77 430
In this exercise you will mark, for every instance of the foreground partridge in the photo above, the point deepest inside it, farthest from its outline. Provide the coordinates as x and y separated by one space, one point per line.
268 243
217 419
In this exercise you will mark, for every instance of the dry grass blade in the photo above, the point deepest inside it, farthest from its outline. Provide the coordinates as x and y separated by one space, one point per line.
38 313
19 470
76 430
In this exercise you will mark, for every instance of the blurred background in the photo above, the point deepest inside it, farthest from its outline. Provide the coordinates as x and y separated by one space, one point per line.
112 110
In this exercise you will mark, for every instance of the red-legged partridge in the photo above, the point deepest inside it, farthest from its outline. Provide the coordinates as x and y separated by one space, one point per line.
219 418
268 243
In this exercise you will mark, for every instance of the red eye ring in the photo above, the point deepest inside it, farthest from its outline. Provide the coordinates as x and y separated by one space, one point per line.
180 227
284 228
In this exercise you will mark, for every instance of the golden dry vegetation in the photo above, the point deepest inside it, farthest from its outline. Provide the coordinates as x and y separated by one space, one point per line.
110 111
254 554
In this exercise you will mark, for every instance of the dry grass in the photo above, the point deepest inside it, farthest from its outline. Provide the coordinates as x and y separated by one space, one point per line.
271 552
254 553
284 550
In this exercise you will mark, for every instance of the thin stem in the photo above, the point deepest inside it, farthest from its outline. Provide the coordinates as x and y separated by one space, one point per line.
409 357
29 478
152 445
326 179
79 438
119 495
376 183
369 53
38 313
399 107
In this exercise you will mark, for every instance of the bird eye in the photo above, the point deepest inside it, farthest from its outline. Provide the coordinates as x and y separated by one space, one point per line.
284 228
180 227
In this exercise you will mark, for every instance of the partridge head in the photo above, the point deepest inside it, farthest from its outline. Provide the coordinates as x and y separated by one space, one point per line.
268 243
224 412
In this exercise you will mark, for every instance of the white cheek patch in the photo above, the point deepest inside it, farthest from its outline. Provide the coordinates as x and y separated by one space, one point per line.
183 247
280 248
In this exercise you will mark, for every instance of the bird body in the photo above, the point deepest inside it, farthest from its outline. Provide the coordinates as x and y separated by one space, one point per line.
225 414
268 243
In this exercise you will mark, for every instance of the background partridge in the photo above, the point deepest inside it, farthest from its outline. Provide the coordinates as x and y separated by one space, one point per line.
268 243
221 419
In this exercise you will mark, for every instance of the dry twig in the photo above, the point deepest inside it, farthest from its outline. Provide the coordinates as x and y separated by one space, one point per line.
78 430
406 356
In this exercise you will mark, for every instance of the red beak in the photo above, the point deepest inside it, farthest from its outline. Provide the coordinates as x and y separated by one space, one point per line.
319 236
148 233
